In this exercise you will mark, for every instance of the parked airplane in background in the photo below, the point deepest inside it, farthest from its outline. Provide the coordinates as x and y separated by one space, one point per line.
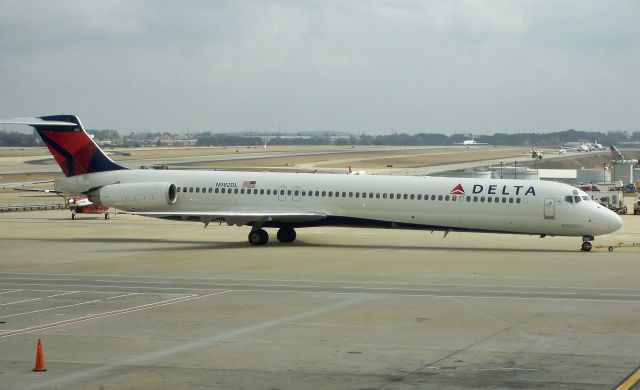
82 205
618 157
77 204
471 142
287 201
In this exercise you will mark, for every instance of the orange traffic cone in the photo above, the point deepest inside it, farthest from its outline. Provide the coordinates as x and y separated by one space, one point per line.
39 358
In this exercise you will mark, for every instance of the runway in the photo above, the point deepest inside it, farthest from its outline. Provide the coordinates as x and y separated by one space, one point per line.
142 303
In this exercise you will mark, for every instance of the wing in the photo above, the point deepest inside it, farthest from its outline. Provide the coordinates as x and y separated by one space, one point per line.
238 218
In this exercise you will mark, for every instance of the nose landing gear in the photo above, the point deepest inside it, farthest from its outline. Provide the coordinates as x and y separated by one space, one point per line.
586 243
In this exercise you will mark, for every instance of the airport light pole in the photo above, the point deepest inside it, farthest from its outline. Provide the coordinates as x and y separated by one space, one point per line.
604 172
501 164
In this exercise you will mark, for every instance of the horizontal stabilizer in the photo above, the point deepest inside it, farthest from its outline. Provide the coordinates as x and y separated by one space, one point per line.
36 122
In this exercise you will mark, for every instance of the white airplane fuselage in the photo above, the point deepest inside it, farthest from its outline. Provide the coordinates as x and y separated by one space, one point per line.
430 203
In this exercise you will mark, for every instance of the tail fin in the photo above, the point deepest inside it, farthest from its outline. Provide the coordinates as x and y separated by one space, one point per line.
616 152
71 146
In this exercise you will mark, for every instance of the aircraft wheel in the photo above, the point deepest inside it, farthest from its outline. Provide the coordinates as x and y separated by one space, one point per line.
586 246
73 215
286 235
258 237
106 215
624 210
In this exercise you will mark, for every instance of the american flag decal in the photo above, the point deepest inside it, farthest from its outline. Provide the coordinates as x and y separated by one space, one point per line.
249 184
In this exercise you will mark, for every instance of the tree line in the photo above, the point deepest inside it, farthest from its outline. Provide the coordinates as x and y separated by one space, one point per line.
16 139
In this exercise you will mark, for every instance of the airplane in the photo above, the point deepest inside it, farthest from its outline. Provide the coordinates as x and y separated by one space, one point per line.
578 146
471 142
619 157
77 204
82 205
562 151
288 201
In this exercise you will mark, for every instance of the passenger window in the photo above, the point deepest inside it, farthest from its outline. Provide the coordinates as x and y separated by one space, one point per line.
404 196
268 192
488 199
350 194
482 199
262 191
330 194
295 192
324 193
179 188
357 194
469 199
370 195
518 200
304 193
344 194
419 196
317 193
510 200
504 200
398 196
197 190
453 197
289 192
384 195
439 197
204 189
377 195
190 189
568 199
242 190
433 197
390 196
281 192
475 198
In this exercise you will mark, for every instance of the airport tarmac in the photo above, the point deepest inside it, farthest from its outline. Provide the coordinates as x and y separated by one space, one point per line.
141 303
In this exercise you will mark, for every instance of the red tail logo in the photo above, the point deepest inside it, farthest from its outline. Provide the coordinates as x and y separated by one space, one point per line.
457 190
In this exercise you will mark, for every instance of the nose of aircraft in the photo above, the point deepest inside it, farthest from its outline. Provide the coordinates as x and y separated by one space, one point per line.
612 221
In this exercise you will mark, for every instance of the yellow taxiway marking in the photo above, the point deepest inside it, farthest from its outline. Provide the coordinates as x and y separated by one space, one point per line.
631 381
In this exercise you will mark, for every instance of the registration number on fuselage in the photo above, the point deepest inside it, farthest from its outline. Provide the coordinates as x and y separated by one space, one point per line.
227 185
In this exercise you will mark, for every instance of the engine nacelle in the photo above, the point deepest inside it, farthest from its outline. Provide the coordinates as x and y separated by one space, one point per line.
135 196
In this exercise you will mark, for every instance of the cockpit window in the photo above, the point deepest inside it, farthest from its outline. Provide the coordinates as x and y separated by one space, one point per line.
568 199
585 197
577 199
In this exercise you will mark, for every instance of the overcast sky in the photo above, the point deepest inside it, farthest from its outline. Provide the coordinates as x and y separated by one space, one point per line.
369 66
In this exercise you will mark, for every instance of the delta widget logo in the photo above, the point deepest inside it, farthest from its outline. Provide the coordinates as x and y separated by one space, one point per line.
457 190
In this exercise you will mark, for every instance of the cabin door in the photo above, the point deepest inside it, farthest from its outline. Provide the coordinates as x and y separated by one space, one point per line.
282 193
549 208
296 193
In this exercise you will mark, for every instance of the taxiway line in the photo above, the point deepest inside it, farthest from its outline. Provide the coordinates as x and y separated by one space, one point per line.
107 314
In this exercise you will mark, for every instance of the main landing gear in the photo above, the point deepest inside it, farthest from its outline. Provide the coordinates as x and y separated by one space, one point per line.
586 243
259 236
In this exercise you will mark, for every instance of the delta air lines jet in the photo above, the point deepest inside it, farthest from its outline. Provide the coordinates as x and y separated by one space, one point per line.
287 201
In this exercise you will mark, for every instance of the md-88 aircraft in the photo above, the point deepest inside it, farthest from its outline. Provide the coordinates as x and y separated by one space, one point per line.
287 201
